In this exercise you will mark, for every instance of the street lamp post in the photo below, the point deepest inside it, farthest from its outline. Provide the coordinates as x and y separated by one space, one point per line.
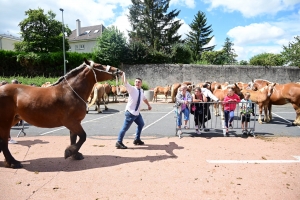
63 31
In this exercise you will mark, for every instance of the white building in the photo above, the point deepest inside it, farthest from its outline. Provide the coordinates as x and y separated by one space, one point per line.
7 42
84 39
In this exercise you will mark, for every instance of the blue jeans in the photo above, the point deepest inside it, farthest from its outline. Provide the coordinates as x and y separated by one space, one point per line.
129 118
186 114
229 115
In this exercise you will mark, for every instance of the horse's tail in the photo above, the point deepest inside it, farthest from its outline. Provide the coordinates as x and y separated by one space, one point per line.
95 97
172 94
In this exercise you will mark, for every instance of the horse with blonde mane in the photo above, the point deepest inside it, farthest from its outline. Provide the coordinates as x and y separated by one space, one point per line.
282 94
61 104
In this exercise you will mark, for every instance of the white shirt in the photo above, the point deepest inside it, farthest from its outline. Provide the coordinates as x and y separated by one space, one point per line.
208 93
133 98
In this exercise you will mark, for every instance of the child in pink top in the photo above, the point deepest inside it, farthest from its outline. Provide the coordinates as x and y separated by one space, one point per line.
230 102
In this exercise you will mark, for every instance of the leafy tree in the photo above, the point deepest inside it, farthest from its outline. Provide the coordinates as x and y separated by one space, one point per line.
229 53
243 62
291 52
136 52
213 57
181 53
41 32
152 25
199 36
110 47
267 59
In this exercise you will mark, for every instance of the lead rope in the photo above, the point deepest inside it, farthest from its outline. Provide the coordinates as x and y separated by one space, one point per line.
91 66
118 88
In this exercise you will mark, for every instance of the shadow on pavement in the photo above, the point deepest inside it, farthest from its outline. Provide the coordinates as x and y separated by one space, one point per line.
55 164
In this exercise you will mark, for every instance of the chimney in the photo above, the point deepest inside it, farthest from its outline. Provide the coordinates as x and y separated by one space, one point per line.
78 27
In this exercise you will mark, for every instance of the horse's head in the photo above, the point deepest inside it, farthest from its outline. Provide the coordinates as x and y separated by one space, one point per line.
270 88
103 72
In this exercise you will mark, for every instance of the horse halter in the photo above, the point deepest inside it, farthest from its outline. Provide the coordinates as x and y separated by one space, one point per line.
91 67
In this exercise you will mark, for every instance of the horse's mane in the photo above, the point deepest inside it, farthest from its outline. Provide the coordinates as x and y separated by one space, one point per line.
70 72
261 80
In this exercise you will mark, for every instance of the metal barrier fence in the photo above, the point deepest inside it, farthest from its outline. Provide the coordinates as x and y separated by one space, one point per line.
244 112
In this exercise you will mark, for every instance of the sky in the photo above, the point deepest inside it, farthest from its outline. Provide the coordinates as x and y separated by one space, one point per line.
254 26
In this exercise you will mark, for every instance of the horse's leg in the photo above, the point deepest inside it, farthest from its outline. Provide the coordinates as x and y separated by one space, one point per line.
222 112
266 118
216 109
260 106
9 159
73 149
297 109
270 111
98 108
105 107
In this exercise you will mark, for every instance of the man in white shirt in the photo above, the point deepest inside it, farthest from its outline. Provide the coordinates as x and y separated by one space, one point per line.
209 95
132 112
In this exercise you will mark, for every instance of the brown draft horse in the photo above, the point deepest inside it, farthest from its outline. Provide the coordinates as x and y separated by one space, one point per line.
222 93
282 94
262 98
61 104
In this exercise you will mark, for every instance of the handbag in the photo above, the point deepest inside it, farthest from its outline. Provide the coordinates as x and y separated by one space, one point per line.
193 108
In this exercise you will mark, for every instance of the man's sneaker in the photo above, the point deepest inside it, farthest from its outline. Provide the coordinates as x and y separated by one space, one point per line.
244 132
179 132
230 126
120 145
11 141
138 142
197 132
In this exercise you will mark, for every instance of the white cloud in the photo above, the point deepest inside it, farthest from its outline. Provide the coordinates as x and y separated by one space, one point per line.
247 52
89 12
184 29
212 42
250 8
187 3
122 23
255 33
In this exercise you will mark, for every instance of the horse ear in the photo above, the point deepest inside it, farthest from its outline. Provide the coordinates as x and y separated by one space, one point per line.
86 61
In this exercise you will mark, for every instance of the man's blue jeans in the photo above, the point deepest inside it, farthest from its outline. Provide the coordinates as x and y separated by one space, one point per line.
129 118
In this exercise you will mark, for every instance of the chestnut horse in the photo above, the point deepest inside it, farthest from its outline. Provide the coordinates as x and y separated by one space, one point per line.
61 104
262 98
222 93
282 94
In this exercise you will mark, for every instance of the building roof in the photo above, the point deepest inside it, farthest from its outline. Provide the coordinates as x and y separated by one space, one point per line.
87 33
10 37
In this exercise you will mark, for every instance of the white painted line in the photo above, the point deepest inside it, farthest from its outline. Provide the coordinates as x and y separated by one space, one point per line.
255 161
158 120
283 118
286 112
81 123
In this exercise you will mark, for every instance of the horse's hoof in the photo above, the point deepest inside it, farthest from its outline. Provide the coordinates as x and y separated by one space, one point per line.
16 165
260 122
68 153
78 156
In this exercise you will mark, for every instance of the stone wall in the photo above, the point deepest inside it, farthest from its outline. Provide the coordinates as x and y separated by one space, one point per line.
163 74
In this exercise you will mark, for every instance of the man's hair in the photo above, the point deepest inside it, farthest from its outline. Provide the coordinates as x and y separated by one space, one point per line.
139 79
205 85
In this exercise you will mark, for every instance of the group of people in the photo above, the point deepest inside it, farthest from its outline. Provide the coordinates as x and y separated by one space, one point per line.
187 103
10 140
184 101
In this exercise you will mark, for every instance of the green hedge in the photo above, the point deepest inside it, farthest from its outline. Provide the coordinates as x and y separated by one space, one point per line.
38 64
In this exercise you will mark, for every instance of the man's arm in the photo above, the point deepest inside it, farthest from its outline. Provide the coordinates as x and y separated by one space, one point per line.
124 80
146 102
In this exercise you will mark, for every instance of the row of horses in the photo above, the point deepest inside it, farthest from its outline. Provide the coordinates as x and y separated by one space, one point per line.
263 92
